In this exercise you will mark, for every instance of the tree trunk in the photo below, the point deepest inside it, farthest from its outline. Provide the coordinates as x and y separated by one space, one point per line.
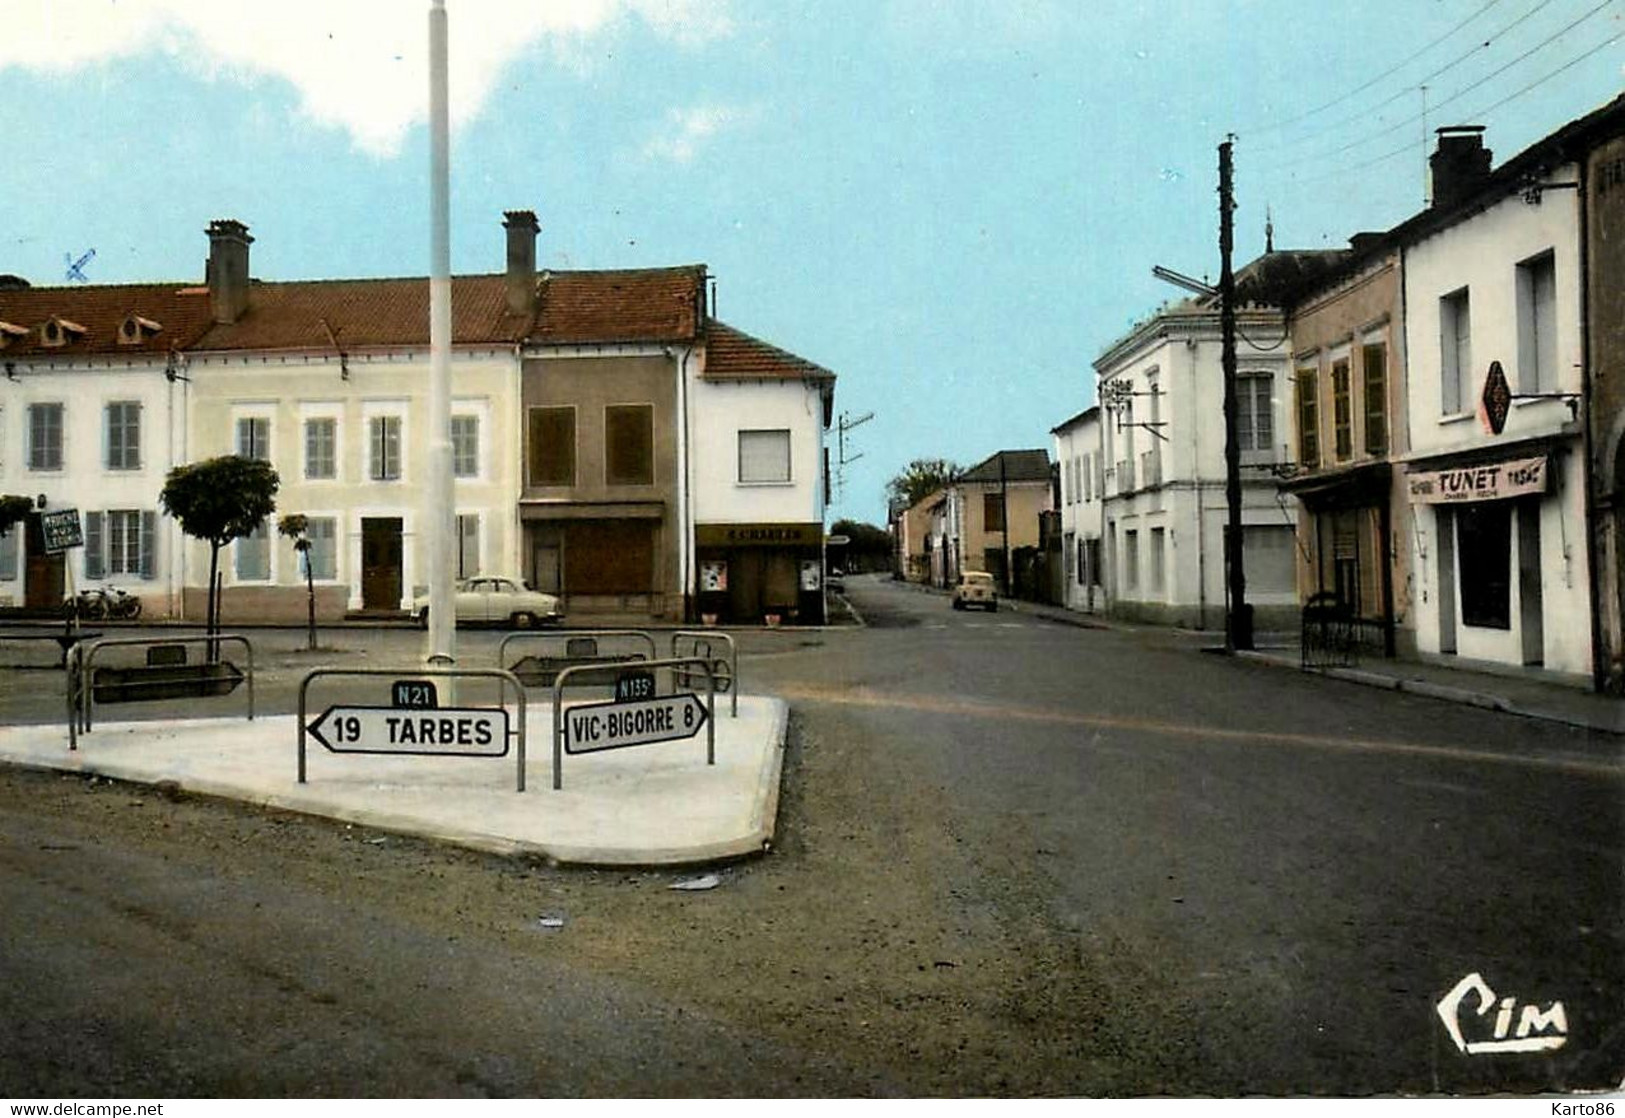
310 590
211 611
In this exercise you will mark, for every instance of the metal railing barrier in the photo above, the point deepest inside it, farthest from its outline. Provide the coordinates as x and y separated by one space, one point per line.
454 715
685 642
164 676
580 649
649 730
1326 638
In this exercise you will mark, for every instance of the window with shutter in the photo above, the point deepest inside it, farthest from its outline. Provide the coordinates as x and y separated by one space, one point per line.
95 564
551 455
8 553
629 444
764 457
149 544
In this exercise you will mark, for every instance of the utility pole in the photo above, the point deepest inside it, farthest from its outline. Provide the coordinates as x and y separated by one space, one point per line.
1238 623
846 423
438 528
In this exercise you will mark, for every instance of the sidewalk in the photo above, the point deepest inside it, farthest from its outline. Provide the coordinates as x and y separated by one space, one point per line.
649 805
1486 686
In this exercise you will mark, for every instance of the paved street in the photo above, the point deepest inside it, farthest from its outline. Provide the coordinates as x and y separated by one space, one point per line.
1015 858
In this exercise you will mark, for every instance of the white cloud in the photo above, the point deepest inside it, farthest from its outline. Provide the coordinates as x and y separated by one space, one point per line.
358 65
688 129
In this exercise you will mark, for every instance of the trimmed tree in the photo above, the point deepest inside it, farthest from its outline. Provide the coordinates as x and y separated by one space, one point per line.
296 527
13 511
220 500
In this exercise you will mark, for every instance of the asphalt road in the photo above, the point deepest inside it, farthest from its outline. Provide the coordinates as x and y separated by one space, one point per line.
1291 871
1015 858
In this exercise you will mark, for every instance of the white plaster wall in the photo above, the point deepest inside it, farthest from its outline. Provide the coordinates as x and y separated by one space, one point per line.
719 410
84 390
1080 515
289 389
1186 360
1482 254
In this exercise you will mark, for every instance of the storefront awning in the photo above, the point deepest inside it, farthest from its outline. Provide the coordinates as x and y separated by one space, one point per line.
1358 486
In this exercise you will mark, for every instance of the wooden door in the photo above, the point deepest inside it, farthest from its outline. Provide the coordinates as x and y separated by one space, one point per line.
45 575
381 563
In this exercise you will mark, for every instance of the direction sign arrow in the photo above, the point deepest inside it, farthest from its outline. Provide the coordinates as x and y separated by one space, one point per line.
448 732
596 726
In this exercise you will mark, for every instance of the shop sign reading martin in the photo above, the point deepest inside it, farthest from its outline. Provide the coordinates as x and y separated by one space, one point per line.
1493 482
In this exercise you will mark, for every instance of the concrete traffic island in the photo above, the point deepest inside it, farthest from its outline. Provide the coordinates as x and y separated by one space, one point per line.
654 805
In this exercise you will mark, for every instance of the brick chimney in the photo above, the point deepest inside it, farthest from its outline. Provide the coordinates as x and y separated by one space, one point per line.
227 270
1460 164
521 287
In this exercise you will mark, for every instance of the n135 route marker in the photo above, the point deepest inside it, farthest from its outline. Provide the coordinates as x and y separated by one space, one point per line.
449 732
597 726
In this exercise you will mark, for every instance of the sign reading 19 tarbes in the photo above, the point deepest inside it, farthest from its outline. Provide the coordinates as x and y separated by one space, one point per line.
1496 481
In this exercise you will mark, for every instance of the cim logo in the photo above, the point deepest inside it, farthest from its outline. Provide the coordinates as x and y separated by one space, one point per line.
1538 1030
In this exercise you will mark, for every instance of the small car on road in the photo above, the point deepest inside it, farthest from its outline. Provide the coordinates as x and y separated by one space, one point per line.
976 588
492 600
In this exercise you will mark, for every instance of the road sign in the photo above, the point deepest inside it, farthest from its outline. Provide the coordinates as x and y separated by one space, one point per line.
634 684
413 694
598 726
61 530
1497 398
452 732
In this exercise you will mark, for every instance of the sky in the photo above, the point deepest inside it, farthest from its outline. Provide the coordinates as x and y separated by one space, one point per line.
955 206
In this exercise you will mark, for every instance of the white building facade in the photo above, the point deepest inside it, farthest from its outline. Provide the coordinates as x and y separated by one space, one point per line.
1492 297
1163 483
754 420
1077 449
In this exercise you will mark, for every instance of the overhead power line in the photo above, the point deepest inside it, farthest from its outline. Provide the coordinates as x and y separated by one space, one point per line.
1318 109
1407 90
1436 106
1409 146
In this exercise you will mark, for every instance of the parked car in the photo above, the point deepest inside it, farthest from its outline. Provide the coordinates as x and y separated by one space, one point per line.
835 580
976 588
488 599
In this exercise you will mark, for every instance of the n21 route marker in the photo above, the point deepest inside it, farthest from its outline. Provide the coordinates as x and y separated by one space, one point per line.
597 726
448 732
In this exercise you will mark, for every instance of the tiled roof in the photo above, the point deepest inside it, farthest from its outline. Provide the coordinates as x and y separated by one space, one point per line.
1092 409
734 354
179 311
366 312
1019 465
646 305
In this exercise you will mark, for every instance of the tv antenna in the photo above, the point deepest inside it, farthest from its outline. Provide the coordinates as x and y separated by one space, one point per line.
76 268
846 423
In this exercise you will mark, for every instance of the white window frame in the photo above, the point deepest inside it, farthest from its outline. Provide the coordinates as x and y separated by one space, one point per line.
372 412
256 415
789 456
308 416
1537 323
123 466
478 472
336 519
1455 351
30 446
267 531
1255 387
